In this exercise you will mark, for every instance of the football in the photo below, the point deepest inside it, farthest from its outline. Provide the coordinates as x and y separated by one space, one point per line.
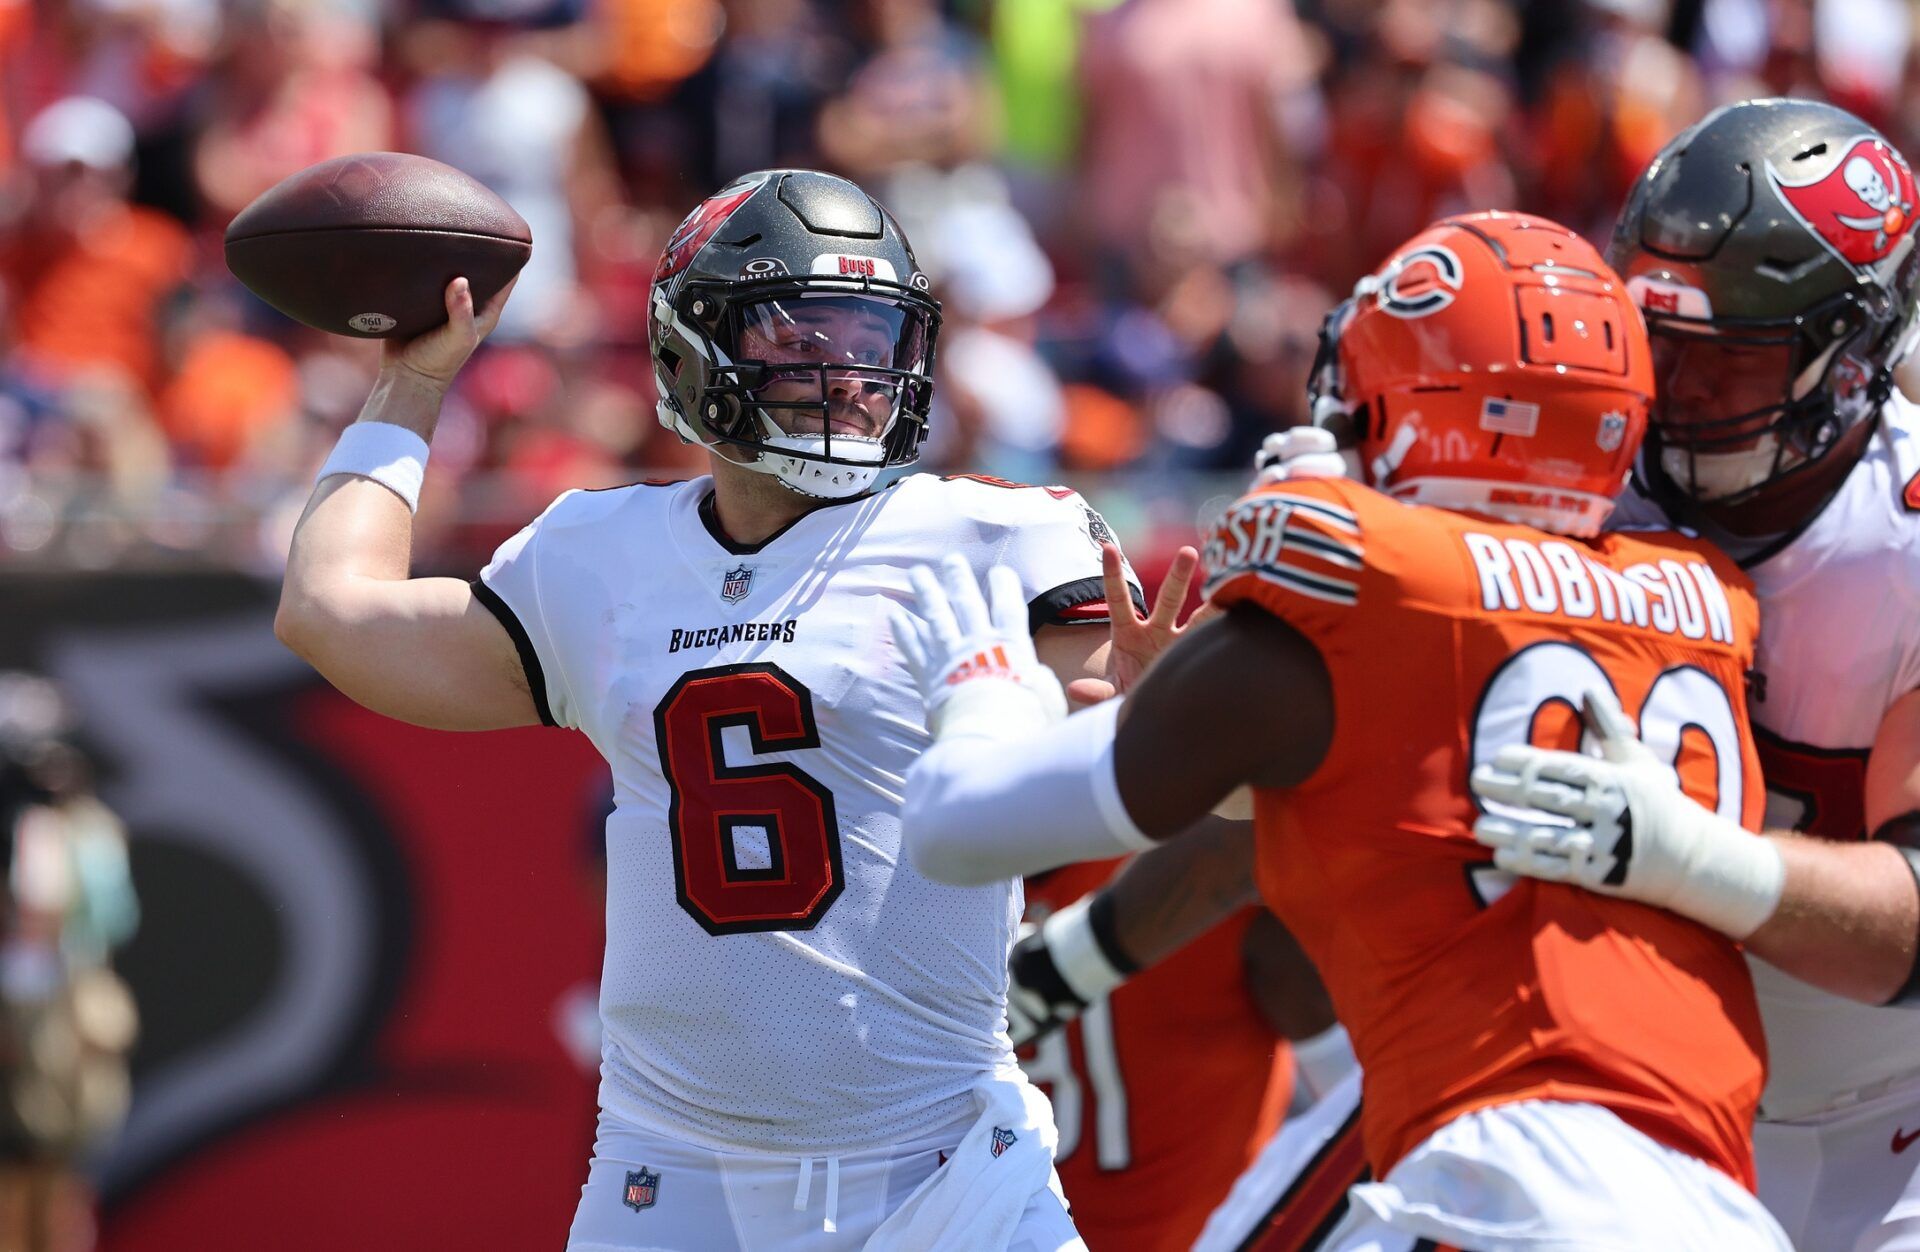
365 245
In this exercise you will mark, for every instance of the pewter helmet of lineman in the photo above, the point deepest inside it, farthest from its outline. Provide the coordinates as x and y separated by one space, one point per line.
759 248
1770 229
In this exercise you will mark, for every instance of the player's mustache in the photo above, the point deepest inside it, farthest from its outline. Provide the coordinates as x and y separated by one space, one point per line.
855 410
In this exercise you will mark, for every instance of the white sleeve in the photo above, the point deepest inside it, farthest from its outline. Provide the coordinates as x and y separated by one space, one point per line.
510 588
1056 552
980 811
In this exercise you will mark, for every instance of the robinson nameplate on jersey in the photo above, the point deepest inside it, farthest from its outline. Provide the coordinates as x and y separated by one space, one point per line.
1551 576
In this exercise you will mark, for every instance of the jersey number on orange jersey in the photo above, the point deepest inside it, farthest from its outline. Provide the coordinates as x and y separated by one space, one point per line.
1535 697
720 811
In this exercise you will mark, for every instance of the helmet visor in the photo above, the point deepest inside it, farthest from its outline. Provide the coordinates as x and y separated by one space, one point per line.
829 364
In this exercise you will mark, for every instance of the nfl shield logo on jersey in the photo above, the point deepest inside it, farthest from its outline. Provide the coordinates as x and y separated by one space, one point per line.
737 583
1002 1140
643 1187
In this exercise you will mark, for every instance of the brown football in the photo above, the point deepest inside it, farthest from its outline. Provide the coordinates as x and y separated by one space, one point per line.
365 245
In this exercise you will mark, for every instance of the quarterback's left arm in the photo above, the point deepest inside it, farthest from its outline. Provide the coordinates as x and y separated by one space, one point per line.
1074 653
1844 917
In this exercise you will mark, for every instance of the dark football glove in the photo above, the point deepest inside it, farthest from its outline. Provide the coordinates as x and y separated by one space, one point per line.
1065 964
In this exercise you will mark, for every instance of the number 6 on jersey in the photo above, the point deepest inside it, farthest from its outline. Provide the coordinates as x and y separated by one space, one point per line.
715 804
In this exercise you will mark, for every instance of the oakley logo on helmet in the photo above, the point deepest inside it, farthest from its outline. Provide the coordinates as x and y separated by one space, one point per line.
763 267
701 225
1862 208
1415 283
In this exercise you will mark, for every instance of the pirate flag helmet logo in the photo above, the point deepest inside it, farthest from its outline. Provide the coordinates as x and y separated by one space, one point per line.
1861 208
702 224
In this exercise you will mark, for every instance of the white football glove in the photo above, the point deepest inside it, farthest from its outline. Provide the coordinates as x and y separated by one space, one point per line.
1633 832
1299 452
975 666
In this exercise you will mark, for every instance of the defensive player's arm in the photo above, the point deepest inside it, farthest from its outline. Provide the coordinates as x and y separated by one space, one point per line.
1159 902
422 650
1849 914
1244 698
1286 988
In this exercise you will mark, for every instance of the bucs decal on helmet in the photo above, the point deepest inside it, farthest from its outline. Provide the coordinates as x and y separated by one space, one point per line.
701 225
1860 209
1415 283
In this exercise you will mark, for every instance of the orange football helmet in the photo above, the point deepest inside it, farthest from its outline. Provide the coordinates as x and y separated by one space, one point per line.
1495 364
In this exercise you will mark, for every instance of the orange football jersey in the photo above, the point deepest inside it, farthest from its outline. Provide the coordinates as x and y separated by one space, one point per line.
1447 638
1164 1091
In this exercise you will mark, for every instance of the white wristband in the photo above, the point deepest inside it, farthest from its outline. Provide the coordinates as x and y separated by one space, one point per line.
390 455
1076 952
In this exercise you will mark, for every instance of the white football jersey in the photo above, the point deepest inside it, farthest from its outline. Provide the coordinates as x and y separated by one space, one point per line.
778 978
1839 643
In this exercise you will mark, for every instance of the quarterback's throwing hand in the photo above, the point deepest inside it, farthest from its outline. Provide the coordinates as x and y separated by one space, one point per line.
436 356
971 656
1620 825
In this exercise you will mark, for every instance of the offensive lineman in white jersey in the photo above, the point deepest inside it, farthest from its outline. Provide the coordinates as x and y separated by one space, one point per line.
1772 249
800 1029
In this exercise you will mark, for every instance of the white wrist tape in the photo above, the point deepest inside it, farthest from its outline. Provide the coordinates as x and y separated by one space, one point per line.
390 455
1733 882
1076 952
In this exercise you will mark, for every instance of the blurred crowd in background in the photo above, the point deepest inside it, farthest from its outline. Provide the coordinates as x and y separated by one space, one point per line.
1135 214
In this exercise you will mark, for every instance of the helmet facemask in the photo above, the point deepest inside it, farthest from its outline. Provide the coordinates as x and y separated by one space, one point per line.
1772 249
1741 405
821 382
